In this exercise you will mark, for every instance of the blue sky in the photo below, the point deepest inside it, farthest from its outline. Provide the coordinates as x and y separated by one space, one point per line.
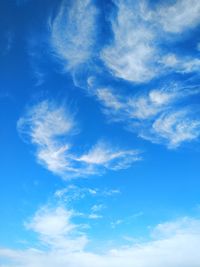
100 131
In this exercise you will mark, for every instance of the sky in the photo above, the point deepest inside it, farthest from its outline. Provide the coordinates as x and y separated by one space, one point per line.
100 133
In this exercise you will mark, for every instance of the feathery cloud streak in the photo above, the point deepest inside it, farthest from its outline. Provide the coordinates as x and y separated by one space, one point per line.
157 115
49 127
73 32
139 50
136 52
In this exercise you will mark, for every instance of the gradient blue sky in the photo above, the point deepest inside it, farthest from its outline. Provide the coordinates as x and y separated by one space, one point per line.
100 130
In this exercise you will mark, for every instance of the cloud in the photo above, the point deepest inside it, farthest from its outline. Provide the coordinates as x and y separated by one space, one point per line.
109 99
55 228
156 115
111 158
131 54
136 52
73 193
181 65
73 32
46 125
174 128
178 16
140 47
49 127
144 105
173 244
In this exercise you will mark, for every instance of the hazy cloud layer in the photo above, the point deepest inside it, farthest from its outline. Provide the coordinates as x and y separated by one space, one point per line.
173 244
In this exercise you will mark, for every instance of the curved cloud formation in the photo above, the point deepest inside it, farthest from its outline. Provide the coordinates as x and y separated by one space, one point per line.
139 33
147 43
157 115
49 127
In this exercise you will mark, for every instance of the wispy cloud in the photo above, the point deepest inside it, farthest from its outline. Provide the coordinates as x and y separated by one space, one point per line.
73 32
174 128
74 193
156 115
49 127
131 54
140 49
46 125
136 52
181 65
110 157
179 15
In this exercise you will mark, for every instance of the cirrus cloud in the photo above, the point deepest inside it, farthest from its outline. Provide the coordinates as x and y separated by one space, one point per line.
50 127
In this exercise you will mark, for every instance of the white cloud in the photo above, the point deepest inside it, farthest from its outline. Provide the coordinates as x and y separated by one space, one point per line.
182 64
174 128
106 96
46 121
111 158
174 244
174 228
54 228
178 16
49 128
151 104
142 106
131 54
75 193
135 53
47 124
51 222
154 115
73 32
139 32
